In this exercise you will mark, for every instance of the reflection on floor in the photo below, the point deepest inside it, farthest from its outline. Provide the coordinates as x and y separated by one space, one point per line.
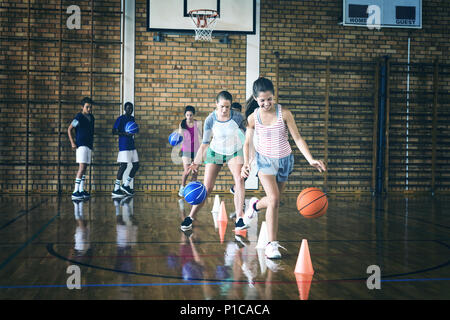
133 248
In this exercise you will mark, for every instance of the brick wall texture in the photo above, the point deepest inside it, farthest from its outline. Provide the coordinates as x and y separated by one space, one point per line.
43 78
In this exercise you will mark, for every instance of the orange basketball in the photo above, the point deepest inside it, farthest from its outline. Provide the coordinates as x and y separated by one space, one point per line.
312 203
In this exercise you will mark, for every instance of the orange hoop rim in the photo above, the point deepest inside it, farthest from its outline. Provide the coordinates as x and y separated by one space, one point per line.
202 15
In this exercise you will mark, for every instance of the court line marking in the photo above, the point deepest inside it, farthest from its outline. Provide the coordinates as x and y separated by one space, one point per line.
219 255
205 283
25 244
22 212
71 243
51 250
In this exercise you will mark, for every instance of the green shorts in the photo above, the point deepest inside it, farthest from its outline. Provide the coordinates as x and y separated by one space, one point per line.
217 158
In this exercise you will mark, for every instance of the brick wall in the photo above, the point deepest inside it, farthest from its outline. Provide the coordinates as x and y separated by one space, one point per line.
309 31
176 72
170 75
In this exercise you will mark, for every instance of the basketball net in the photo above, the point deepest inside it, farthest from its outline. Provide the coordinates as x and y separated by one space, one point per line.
205 22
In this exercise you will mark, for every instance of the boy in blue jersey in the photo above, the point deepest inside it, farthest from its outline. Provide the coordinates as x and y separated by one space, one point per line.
83 123
127 153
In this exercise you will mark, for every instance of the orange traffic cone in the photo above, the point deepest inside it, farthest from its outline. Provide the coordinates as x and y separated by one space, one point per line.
222 229
303 284
304 264
223 213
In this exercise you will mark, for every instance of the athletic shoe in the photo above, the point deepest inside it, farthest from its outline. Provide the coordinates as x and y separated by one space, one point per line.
273 265
249 274
118 194
85 195
186 224
77 196
127 190
125 200
181 192
240 225
271 251
241 241
232 190
250 212
187 233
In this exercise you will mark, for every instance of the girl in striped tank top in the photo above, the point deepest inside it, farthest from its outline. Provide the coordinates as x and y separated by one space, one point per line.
267 130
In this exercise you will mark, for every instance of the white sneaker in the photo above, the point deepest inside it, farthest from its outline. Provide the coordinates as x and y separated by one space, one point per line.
249 274
181 192
274 265
249 211
272 251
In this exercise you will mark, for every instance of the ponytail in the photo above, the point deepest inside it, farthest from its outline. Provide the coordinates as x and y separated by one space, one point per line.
250 106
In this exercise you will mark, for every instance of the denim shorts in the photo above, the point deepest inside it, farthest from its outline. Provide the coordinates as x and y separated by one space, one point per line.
281 168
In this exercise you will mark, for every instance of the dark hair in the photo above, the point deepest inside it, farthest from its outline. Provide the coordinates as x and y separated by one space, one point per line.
86 100
189 108
224 95
236 106
250 106
183 122
127 104
262 85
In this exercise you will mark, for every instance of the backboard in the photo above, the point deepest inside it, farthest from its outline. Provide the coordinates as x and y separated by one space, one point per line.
172 16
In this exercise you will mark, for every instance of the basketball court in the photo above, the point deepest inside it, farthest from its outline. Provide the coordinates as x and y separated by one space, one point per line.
134 250
378 117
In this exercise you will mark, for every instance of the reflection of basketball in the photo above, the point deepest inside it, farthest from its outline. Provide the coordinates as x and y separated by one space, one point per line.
312 203
195 192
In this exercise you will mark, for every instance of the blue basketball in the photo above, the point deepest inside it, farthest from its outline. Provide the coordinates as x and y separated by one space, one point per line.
131 127
175 138
195 192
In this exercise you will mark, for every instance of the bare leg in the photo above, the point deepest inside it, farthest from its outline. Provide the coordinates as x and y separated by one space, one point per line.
235 166
263 202
272 202
81 170
185 175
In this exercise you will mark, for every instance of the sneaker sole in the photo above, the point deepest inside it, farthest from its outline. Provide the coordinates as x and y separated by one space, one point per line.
128 193
77 198
242 228
118 195
186 228
274 258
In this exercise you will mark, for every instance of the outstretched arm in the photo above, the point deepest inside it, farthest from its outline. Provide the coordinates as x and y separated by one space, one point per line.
199 157
249 148
300 142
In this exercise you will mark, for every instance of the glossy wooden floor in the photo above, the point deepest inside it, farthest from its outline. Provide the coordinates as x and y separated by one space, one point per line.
135 250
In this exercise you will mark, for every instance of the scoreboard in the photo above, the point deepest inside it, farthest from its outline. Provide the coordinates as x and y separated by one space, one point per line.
383 13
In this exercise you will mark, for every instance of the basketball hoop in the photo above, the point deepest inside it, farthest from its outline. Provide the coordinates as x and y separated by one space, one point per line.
205 21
